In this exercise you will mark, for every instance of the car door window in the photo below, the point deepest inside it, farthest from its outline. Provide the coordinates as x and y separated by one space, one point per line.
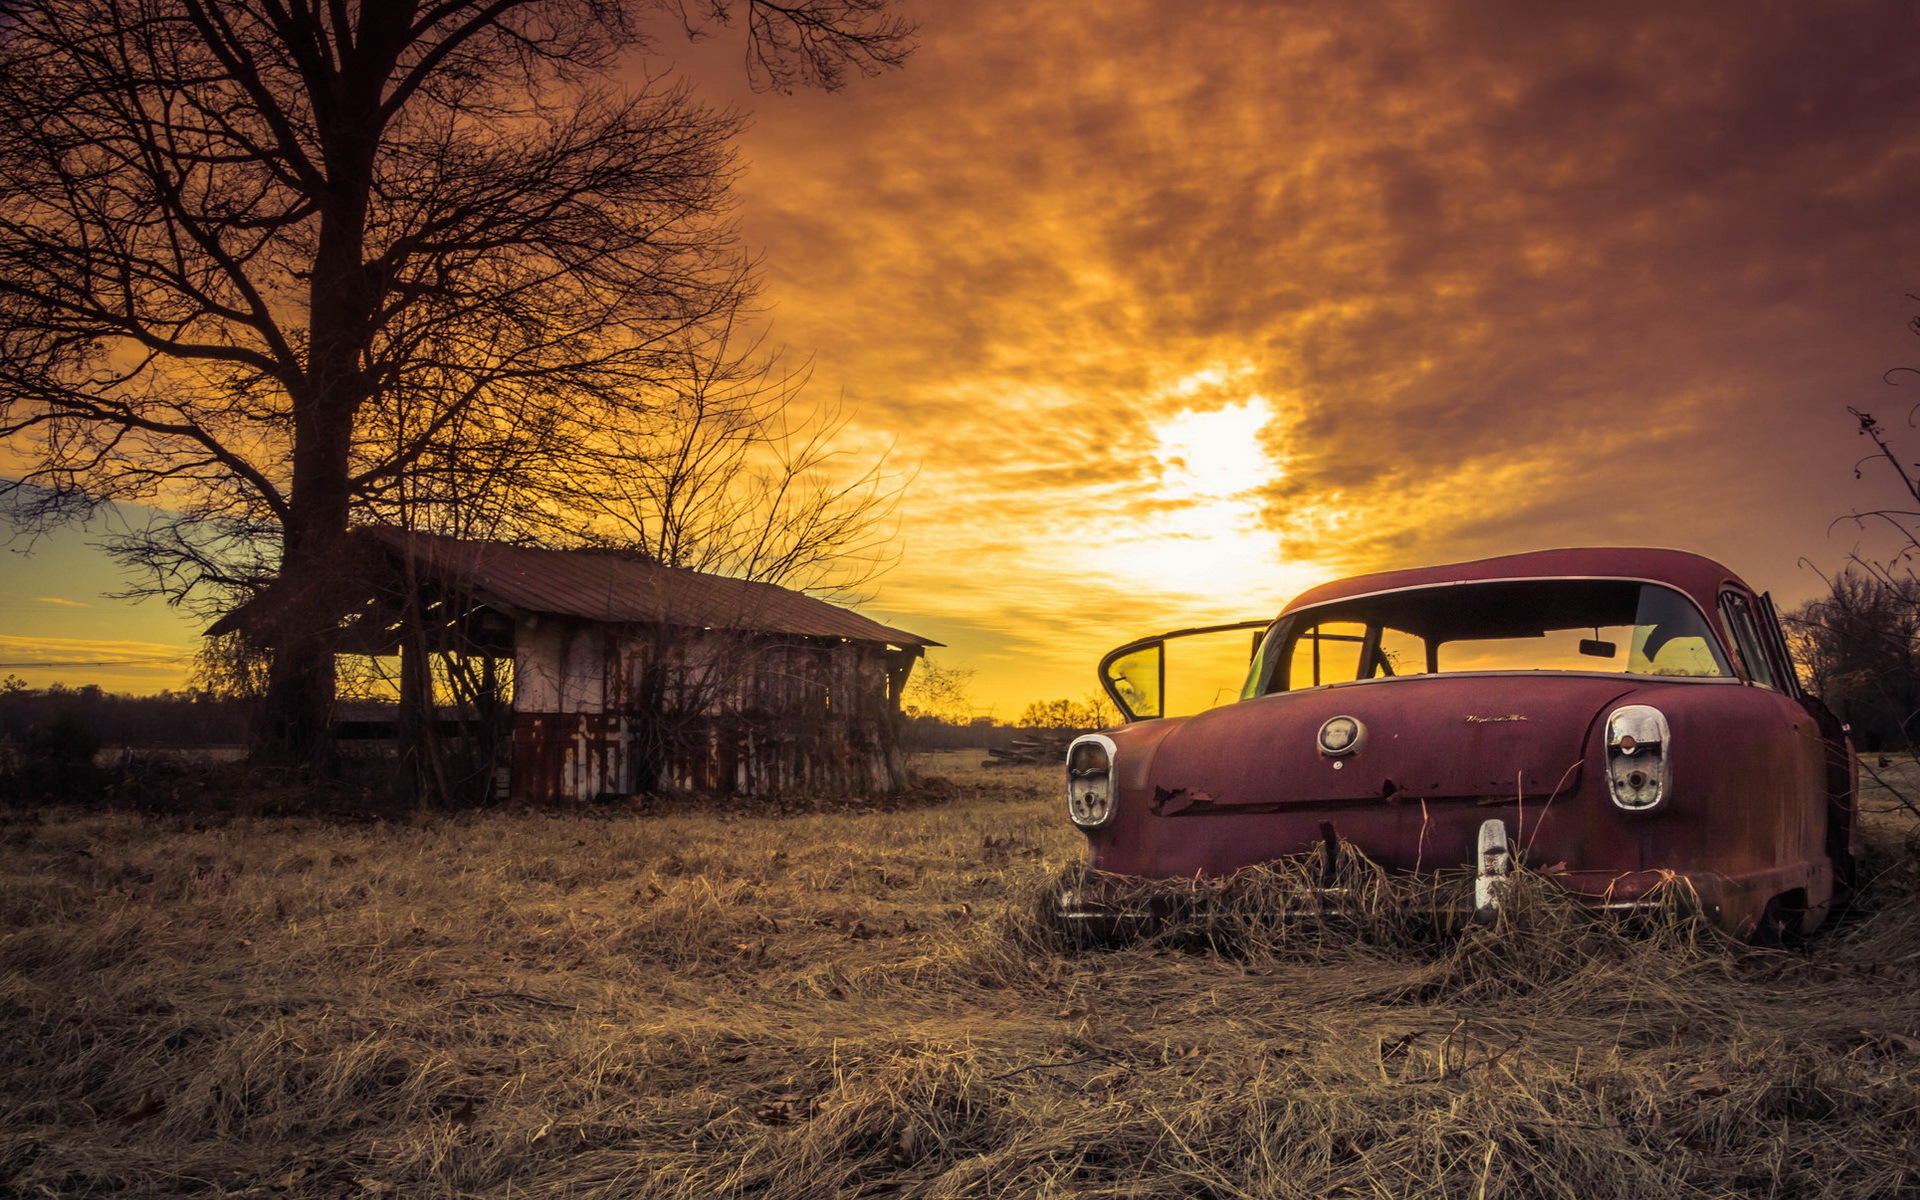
1746 638
1776 640
1328 652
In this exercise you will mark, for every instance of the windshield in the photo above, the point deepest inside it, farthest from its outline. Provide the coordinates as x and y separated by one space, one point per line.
1520 625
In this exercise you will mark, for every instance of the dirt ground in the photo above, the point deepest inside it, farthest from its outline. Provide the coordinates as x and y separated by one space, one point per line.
863 1003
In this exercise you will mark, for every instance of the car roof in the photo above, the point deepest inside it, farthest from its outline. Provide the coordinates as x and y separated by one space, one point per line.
1696 575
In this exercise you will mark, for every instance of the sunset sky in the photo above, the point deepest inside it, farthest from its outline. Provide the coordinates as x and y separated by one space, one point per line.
1178 309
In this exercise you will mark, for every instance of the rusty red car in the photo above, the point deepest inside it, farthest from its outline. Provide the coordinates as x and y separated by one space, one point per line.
1625 719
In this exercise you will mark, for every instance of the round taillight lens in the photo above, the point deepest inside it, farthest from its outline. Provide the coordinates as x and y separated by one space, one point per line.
1341 735
1089 756
1091 791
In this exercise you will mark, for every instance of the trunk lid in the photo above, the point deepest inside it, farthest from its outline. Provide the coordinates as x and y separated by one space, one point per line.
1495 736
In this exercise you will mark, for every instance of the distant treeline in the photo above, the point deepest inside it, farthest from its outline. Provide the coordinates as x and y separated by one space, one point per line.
194 718
982 733
168 719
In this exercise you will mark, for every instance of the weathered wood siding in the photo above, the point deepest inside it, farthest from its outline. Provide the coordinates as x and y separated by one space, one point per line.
618 710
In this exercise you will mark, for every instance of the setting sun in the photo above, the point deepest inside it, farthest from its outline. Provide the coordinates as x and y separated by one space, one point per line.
1201 525
1216 455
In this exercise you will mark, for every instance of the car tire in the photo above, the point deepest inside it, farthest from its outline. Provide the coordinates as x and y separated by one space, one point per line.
1779 925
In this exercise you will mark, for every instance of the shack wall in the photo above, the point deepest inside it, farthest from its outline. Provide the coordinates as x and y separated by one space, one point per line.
607 710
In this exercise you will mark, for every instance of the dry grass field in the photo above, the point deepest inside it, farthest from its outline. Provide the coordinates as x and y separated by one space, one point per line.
862 1004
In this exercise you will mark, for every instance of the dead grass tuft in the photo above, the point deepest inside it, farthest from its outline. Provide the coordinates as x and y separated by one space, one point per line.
865 1003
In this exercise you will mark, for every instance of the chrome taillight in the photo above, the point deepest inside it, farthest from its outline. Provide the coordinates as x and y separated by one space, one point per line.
1638 774
1090 786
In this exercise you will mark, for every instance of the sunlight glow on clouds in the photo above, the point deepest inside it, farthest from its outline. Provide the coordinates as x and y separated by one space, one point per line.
1201 525
1216 455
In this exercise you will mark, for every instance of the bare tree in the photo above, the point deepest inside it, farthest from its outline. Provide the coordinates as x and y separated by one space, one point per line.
716 473
1860 648
278 265
941 693
807 43
1093 712
1859 645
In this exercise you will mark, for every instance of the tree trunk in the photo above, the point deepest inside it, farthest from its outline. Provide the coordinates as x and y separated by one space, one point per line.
316 580
327 398
314 576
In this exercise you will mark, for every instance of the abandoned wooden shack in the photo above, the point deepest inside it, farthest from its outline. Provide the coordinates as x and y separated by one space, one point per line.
618 675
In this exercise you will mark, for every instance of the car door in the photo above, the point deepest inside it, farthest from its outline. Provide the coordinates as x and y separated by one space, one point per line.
1209 665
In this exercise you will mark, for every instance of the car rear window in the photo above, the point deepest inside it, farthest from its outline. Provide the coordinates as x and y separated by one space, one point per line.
1516 625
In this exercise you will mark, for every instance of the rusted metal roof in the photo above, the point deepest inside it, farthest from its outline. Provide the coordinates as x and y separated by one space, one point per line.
1694 574
625 588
